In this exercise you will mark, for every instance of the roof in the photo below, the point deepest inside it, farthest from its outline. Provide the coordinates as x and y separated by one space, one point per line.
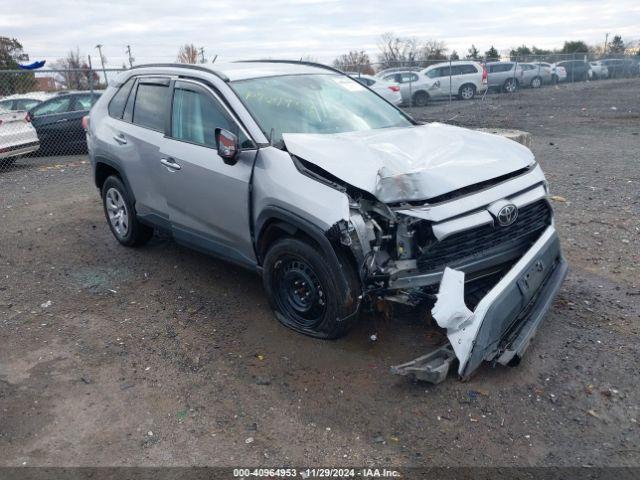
252 69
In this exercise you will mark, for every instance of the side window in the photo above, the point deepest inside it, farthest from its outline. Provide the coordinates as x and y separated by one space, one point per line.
119 100
83 102
26 104
57 105
196 114
466 69
433 73
6 105
456 70
150 105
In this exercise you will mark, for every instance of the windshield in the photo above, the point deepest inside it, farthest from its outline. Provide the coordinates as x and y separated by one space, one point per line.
318 103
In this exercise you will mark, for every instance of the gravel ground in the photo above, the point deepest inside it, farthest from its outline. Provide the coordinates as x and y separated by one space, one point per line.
163 356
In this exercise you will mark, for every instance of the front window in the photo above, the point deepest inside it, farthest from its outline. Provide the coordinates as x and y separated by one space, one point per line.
319 103
57 105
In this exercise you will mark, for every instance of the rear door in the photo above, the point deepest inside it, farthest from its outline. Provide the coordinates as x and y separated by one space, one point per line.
136 142
50 121
79 108
207 199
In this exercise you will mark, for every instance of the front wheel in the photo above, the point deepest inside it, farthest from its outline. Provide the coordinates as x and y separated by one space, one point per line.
305 291
467 92
121 215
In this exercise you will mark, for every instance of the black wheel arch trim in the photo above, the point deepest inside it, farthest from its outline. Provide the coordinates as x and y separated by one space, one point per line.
291 223
117 168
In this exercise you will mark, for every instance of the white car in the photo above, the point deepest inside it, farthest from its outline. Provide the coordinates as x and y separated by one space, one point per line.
390 91
461 79
405 79
17 137
598 70
558 73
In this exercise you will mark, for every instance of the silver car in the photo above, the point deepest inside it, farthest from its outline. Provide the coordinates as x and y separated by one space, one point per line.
336 197
534 75
504 76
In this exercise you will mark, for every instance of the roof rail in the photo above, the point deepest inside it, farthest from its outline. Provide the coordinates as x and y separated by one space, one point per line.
295 62
188 66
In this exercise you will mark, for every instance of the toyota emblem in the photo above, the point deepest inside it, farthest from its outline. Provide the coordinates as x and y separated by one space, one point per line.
507 215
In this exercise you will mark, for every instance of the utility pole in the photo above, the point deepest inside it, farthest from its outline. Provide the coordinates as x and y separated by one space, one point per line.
201 54
606 37
131 59
104 71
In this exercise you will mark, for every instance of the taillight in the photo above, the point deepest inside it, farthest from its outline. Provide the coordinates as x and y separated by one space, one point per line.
484 74
394 88
28 117
85 123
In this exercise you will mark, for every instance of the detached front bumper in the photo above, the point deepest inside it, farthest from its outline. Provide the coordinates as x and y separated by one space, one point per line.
504 321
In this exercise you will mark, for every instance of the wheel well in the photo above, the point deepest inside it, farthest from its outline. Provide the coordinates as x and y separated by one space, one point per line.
469 84
275 229
103 171
420 92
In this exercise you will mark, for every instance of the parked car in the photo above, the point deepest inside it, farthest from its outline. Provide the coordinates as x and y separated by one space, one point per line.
535 75
58 122
406 80
461 80
17 137
19 104
390 91
505 76
335 197
598 70
558 74
621 67
577 70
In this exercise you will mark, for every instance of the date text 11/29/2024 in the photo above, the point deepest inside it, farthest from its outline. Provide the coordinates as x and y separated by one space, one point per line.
315 473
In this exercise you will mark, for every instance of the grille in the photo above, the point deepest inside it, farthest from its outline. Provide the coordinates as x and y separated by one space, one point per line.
532 220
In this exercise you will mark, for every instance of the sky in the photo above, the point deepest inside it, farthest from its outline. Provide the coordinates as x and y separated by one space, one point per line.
321 29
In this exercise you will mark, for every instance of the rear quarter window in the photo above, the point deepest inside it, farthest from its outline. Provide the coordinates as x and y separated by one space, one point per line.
119 100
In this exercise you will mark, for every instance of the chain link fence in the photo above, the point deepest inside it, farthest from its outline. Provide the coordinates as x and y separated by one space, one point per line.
41 112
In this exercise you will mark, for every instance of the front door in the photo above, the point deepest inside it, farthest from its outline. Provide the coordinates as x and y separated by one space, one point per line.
207 199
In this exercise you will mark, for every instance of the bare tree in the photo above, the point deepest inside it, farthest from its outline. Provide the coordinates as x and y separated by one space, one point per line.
354 61
432 50
188 53
75 72
397 51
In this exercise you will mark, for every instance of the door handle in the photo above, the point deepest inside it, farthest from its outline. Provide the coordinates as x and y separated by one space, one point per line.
120 139
170 163
62 120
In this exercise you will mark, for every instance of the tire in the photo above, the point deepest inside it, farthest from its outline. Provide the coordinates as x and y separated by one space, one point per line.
467 91
420 99
305 291
536 82
121 215
510 86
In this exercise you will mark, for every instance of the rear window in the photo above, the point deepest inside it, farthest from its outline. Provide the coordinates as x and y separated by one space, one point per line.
150 106
119 100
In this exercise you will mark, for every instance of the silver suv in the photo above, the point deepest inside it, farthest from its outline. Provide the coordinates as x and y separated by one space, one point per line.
336 197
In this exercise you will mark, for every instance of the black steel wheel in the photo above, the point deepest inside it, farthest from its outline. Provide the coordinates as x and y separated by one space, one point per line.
310 293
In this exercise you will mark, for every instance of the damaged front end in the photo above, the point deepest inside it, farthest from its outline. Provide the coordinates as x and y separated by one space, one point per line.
485 264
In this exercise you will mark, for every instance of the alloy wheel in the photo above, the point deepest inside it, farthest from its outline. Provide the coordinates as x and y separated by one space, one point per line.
117 211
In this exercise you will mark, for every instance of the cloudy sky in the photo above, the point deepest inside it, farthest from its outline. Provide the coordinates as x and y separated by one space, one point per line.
318 28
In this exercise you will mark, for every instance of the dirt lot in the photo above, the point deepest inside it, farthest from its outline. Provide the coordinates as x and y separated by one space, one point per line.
163 356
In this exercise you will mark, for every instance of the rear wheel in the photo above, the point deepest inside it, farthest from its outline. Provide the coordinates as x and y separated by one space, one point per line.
467 91
304 290
510 86
121 216
536 82
420 99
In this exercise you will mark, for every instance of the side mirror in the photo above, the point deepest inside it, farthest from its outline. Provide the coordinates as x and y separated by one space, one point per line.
227 144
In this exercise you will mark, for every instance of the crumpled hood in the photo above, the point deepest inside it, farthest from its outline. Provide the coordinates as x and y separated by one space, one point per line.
411 163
